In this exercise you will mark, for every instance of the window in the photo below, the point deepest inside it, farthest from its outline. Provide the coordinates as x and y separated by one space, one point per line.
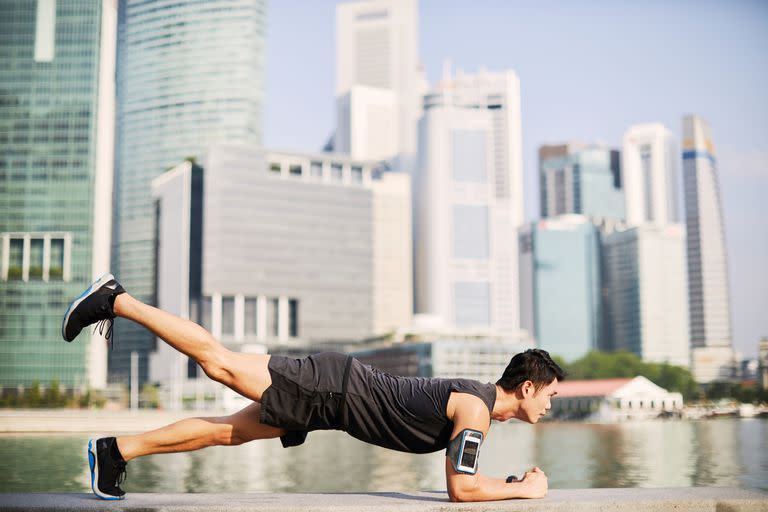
273 312
470 232
357 174
469 156
293 318
16 259
206 306
251 315
316 169
275 167
472 304
336 172
56 269
36 258
294 170
228 316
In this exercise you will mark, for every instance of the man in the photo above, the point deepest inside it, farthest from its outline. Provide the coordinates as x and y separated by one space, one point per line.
324 391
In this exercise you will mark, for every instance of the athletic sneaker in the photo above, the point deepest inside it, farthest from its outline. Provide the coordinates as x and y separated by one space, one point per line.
93 305
107 468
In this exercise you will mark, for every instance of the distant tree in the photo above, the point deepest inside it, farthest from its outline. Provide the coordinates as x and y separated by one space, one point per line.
612 365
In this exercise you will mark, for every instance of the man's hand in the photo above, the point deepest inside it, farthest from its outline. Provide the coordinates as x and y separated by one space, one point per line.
536 481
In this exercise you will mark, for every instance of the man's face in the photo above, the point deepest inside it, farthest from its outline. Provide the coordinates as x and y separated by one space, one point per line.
536 403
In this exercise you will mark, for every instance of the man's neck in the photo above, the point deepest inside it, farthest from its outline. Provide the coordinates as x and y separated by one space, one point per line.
506 405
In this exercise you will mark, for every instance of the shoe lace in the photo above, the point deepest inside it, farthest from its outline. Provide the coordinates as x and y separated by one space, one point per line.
103 325
121 472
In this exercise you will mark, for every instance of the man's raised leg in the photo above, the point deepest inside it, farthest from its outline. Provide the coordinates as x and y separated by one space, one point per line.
245 373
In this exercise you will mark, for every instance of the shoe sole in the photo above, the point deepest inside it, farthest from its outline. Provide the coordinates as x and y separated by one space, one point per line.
94 286
95 473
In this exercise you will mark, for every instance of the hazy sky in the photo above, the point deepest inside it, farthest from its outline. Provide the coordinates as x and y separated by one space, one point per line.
588 70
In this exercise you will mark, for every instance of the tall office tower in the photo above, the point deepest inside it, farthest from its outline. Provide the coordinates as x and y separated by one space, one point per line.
646 283
468 203
649 166
582 180
337 268
189 74
560 284
56 151
379 83
710 309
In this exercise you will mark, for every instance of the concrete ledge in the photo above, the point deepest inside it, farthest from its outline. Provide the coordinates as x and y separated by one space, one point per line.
694 499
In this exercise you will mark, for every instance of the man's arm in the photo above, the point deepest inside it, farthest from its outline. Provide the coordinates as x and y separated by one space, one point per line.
470 412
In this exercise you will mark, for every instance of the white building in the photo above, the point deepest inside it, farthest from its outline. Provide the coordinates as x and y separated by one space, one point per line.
468 203
270 249
379 83
649 168
646 287
708 294
614 400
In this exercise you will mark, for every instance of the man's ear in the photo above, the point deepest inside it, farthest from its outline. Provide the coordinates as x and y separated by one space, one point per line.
528 389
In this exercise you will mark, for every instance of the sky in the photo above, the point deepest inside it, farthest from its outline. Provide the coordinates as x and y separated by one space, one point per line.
588 70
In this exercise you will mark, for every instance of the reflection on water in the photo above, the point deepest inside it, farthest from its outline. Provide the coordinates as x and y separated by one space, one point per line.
727 452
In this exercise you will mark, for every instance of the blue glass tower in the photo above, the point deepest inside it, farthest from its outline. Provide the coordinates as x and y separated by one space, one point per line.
189 74
56 125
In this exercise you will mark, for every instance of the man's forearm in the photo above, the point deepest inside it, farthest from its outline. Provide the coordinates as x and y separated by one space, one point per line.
490 489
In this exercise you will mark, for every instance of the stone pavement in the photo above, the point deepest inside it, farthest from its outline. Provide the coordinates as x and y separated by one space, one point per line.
694 499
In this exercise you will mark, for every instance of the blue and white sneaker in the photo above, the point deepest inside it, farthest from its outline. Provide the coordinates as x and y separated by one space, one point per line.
107 472
93 305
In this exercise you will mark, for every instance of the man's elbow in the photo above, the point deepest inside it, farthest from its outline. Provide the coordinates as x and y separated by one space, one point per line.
462 494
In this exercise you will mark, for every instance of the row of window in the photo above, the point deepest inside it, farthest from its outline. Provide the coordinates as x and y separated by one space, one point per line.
335 170
219 315
35 256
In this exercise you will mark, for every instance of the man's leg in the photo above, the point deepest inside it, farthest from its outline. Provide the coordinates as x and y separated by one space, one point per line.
245 373
195 433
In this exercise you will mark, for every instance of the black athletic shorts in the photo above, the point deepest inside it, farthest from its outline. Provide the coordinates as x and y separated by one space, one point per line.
306 394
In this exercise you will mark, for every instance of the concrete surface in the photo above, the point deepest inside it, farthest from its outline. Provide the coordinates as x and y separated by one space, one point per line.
694 499
71 421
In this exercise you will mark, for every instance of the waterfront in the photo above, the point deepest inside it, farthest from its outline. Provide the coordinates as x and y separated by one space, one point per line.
723 452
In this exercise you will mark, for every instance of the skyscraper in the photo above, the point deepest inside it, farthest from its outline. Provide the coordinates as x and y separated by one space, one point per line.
379 84
189 74
581 179
560 285
649 167
708 295
646 300
468 203
56 153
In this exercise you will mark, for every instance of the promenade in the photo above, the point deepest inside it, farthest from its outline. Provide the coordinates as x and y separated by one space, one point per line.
695 499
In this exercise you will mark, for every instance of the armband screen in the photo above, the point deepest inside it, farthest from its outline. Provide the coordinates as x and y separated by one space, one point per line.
464 450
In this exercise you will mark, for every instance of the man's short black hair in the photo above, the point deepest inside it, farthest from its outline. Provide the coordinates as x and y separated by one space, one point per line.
534 365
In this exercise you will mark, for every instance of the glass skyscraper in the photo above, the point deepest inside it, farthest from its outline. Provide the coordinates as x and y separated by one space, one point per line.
708 296
584 180
189 74
560 285
56 136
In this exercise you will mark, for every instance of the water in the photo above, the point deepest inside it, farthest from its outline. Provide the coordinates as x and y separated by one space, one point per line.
724 452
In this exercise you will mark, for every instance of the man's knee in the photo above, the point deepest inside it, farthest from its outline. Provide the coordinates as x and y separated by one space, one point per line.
227 434
217 366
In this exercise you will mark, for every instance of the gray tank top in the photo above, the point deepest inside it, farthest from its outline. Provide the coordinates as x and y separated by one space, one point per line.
405 413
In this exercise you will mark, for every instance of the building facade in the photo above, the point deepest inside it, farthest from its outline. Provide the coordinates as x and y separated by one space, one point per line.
278 249
467 200
649 168
708 293
189 74
645 279
580 179
56 150
560 283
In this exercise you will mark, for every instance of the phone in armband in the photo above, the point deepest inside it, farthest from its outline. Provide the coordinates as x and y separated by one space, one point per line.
464 451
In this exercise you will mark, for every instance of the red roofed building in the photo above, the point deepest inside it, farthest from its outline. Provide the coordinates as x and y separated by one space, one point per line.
614 400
